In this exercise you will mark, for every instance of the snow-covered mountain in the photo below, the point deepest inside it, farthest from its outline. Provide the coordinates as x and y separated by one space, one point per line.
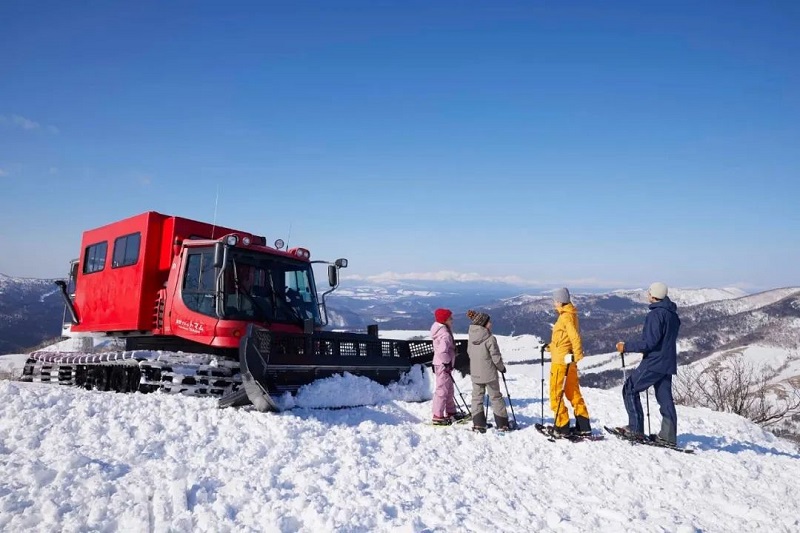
409 304
31 310
78 460
771 317
687 297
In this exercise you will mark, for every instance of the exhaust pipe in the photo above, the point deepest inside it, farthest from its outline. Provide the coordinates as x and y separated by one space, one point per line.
71 308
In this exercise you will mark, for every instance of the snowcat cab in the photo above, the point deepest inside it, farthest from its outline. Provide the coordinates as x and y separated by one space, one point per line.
202 309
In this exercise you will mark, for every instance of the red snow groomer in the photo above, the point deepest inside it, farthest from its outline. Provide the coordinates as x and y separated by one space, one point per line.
206 310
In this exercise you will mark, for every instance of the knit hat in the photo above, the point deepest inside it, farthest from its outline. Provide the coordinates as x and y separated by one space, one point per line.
658 290
479 319
441 315
561 296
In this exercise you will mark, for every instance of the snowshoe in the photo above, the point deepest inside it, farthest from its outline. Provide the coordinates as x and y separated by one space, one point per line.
650 440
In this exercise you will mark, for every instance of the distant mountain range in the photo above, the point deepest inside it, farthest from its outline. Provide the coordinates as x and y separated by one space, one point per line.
31 310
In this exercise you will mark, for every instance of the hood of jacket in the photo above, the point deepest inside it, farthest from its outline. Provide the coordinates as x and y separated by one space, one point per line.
478 334
666 304
436 329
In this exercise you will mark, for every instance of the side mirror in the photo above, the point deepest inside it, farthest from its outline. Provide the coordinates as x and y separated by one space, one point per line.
219 254
341 263
333 276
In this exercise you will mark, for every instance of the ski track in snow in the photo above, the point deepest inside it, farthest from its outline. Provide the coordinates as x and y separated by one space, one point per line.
77 460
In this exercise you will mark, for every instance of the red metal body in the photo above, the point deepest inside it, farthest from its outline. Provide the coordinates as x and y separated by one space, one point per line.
130 276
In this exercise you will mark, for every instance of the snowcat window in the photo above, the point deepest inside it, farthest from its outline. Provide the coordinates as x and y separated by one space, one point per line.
126 250
94 260
299 294
248 294
264 287
199 283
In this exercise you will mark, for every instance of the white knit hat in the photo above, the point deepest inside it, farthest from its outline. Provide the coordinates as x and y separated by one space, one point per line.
658 290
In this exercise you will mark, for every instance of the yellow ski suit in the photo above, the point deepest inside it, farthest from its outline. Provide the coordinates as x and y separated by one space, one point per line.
566 339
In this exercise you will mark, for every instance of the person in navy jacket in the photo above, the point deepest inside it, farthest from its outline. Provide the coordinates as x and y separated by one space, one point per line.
659 346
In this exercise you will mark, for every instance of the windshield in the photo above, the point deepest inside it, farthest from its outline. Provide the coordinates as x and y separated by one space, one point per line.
267 288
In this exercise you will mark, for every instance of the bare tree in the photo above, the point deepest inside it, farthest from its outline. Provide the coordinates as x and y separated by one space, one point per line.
736 386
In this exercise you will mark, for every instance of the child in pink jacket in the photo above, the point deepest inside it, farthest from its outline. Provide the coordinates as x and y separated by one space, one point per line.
444 356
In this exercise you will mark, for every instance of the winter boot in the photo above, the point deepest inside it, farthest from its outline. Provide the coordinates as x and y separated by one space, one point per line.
582 426
442 420
479 422
668 433
458 416
626 432
502 423
561 432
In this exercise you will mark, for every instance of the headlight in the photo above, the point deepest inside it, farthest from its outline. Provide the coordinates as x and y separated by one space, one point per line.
231 240
279 244
246 241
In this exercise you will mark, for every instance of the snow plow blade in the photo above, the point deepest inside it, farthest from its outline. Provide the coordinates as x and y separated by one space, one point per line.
274 363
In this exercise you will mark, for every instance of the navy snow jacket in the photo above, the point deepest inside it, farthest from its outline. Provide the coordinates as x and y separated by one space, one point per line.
659 338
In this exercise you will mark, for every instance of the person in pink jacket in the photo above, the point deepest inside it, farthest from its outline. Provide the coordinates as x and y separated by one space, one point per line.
444 356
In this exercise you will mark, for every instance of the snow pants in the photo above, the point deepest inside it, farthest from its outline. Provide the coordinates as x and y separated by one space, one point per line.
443 402
479 390
640 380
572 393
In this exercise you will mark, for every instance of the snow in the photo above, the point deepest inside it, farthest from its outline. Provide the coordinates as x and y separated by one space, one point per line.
11 365
779 364
78 460
685 297
753 301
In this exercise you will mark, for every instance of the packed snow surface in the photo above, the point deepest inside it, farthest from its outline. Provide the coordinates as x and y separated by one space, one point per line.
78 460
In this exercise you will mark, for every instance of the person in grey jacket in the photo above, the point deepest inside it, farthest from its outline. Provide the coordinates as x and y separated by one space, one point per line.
485 361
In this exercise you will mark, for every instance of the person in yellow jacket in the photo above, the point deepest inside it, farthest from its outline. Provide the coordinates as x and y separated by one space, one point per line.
565 352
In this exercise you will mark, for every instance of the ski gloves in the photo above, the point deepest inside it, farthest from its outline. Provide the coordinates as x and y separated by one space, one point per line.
621 347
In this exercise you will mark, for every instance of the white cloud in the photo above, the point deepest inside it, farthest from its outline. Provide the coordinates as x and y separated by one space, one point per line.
24 123
442 275
471 277
27 124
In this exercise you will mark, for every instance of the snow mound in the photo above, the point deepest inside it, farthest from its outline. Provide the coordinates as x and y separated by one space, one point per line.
347 390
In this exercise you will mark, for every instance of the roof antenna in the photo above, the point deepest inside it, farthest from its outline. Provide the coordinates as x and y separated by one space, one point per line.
289 236
214 224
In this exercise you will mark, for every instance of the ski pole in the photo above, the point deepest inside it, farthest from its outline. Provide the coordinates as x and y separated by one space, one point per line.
624 372
647 396
461 396
541 351
509 400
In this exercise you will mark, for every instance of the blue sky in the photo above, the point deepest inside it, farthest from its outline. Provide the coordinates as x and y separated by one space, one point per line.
577 143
